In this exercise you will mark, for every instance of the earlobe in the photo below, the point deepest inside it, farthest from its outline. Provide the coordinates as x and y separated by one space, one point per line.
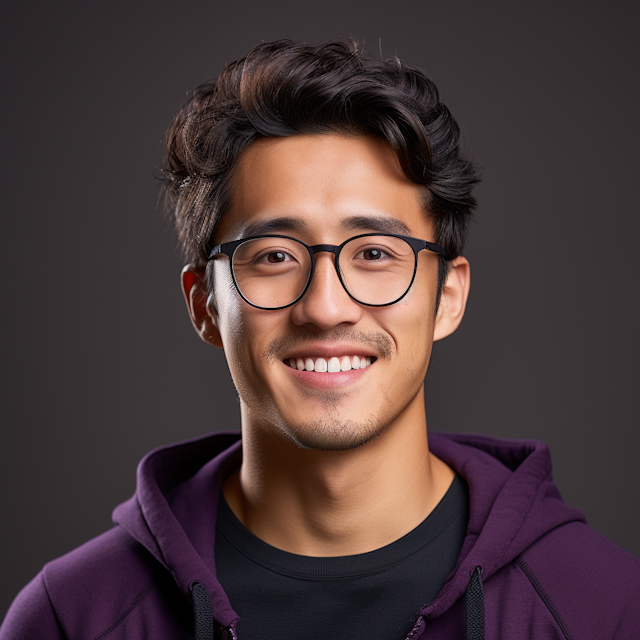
453 300
196 295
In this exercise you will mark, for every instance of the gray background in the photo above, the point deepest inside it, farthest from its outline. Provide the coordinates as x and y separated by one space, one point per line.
99 361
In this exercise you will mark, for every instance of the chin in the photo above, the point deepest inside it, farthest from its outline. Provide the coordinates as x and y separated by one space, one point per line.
334 435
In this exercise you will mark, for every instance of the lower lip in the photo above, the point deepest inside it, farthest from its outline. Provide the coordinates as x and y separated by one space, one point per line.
320 380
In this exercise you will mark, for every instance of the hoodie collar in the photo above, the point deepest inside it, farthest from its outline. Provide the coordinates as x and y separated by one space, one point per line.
173 512
513 502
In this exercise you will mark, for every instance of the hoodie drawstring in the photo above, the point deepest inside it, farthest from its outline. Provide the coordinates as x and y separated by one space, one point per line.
202 612
474 607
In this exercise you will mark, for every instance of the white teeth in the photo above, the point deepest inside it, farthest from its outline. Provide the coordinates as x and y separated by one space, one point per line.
333 365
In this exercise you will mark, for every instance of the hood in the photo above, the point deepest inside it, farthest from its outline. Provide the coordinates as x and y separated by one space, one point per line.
513 502
173 511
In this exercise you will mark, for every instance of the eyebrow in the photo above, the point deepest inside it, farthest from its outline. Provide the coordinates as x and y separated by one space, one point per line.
261 227
383 224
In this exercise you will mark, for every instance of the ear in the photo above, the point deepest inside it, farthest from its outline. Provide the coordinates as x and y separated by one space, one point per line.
196 295
453 300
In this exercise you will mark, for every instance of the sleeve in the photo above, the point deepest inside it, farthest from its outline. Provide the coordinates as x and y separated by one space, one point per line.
32 615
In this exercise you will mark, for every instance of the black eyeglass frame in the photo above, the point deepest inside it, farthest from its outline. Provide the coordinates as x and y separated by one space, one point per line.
229 249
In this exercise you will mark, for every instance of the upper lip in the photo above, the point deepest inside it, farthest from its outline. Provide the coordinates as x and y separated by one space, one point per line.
324 350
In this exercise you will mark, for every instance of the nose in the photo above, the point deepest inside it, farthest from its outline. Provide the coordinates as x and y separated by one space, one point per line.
325 304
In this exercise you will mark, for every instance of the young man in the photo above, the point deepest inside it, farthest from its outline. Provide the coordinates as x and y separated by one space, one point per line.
322 199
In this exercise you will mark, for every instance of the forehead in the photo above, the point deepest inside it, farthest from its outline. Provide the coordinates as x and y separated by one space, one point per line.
320 181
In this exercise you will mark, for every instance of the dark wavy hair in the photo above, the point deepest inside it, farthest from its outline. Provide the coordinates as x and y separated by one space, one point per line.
285 88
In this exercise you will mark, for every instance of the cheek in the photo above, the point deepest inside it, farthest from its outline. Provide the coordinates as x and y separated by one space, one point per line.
245 332
415 335
231 324
236 340
411 323
227 303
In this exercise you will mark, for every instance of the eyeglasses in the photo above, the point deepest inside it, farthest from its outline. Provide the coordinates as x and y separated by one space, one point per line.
273 272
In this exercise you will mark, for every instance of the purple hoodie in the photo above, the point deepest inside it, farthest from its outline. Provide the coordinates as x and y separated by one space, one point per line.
529 566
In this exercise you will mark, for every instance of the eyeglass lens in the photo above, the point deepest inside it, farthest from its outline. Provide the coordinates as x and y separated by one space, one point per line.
273 272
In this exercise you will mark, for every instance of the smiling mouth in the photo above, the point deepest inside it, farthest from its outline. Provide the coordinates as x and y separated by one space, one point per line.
330 365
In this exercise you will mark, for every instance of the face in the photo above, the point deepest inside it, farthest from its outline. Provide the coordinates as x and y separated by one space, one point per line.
323 190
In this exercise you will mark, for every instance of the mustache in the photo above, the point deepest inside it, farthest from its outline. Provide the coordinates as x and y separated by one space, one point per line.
378 341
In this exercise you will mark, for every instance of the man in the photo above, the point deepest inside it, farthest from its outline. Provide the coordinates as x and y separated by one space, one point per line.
322 200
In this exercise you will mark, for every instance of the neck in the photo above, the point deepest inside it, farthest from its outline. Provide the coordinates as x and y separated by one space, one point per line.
326 503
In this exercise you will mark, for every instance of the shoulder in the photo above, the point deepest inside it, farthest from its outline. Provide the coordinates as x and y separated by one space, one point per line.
31 615
85 593
590 584
112 555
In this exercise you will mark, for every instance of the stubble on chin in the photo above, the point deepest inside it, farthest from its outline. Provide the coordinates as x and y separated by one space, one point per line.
333 434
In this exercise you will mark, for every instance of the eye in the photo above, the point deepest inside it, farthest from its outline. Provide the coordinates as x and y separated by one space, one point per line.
277 256
273 256
372 254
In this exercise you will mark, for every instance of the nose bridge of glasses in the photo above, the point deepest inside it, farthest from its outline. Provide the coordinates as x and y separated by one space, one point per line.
319 248
326 248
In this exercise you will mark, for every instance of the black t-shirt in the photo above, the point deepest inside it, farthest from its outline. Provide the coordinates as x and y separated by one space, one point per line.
369 595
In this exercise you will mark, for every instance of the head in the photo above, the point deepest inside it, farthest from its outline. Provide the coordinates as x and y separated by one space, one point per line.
293 128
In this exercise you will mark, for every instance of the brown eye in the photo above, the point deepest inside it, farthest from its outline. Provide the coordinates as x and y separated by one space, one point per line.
277 256
372 254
